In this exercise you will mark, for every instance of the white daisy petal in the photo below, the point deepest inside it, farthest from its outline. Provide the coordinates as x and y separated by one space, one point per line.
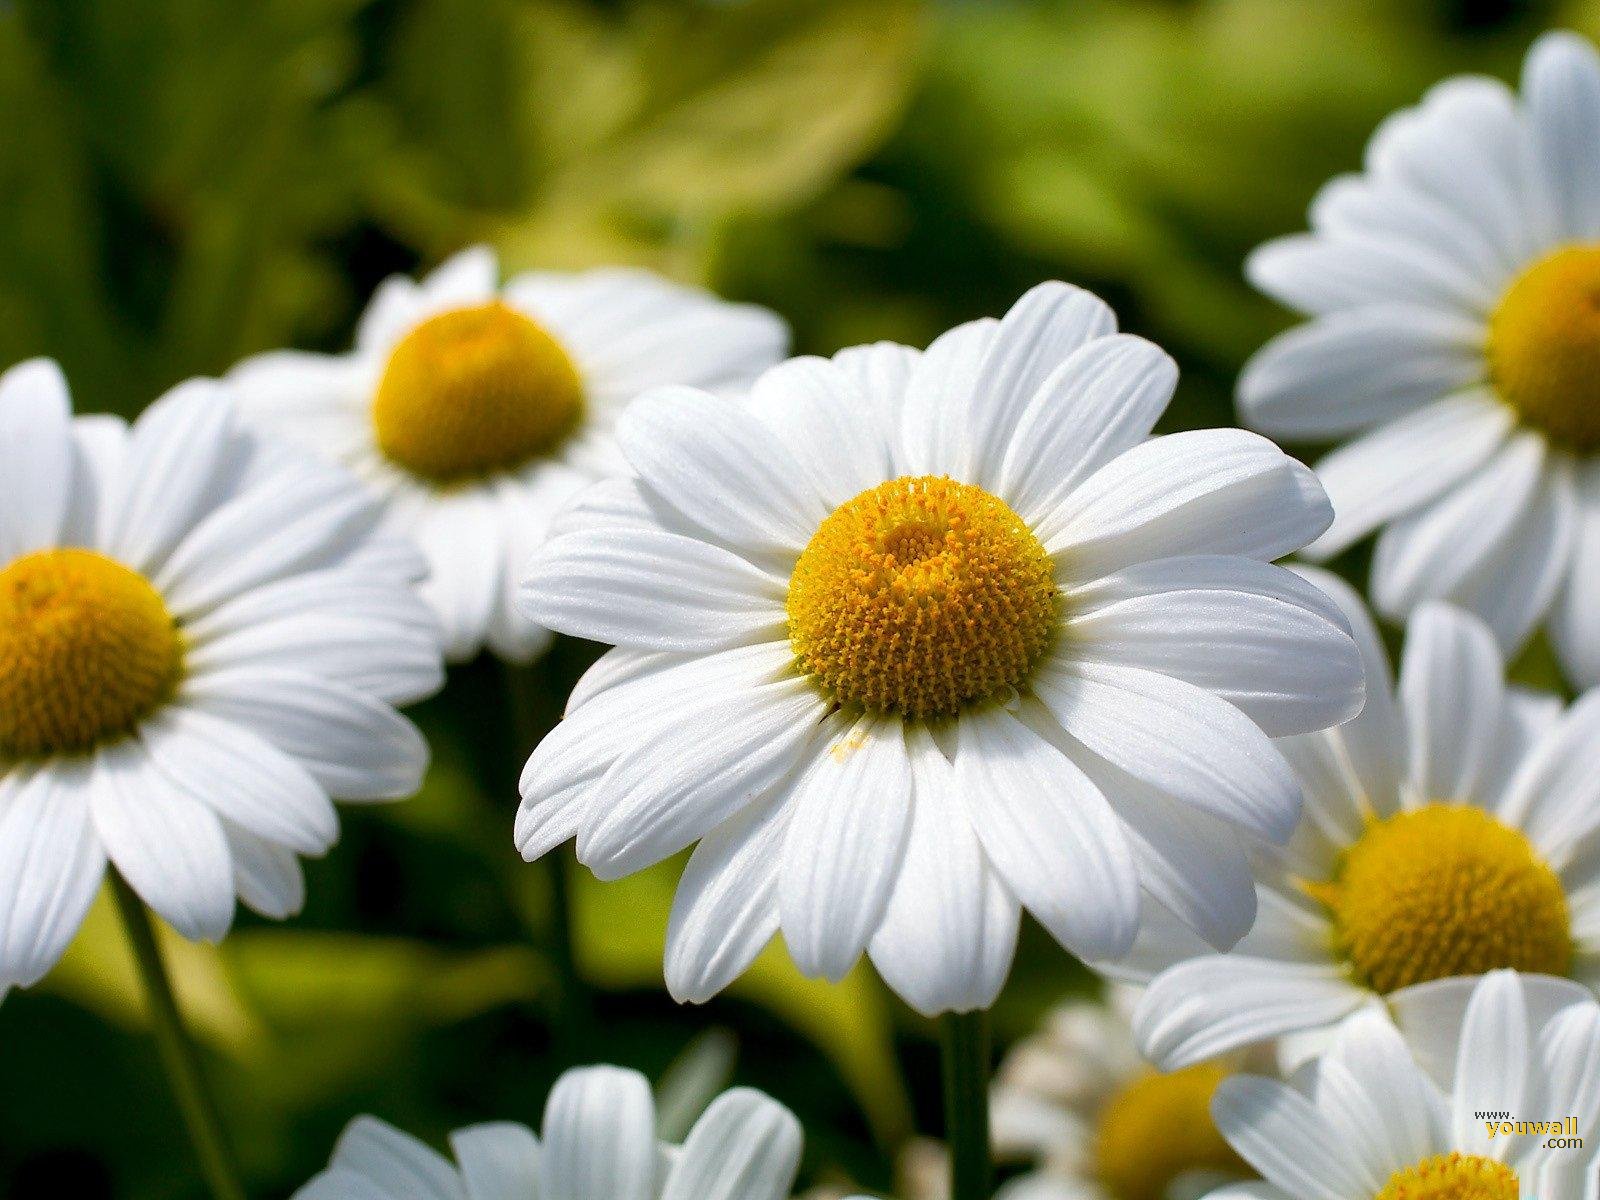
499 1161
1436 550
1212 491
1370 748
1432 1015
169 846
1041 330
949 931
599 1137
354 746
1406 463
1371 1048
813 407
526 510
1283 1136
1453 692
1515 589
688 776
558 783
1180 739
1104 399
651 590
1188 861
1049 832
631 331
51 867
1492 1064
745 1146
722 468
840 856
725 910
1555 795
244 778
1209 1006
1317 275
1562 84
1358 367
100 443
395 1162
1462 149
266 876
464 537
35 456
1572 629
1254 634
177 467
934 436
264 535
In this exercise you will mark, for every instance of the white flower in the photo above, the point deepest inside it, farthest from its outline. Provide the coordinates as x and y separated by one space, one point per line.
1449 830
910 639
1368 1123
1095 1122
476 410
598 1143
1452 286
201 640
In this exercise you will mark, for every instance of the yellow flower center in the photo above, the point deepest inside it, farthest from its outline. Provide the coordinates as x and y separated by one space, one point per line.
1159 1128
474 391
1441 891
921 595
1544 347
1452 1177
87 649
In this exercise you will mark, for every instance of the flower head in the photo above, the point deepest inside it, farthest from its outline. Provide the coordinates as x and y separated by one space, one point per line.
1453 288
598 1142
1096 1122
911 641
1449 832
202 638
477 410
1512 1116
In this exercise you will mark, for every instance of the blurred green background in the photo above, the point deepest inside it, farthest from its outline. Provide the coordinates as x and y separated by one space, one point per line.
188 181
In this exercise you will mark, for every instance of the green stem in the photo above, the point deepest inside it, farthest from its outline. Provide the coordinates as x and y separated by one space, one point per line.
572 1004
178 1054
964 1054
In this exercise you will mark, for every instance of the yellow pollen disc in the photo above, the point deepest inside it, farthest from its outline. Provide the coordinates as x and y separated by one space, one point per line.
1441 891
1159 1128
474 391
87 649
1452 1177
1544 347
919 596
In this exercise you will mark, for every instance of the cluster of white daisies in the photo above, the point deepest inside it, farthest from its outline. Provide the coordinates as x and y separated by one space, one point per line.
906 642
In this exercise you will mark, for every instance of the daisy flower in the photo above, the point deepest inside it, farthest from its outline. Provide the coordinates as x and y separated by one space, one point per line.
477 410
1096 1122
1367 1122
598 1143
911 640
1455 334
1449 831
202 638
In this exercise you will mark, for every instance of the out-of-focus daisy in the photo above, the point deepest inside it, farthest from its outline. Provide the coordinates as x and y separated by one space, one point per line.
1454 287
476 410
598 1142
912 639
1096 1122
1450 830
202 636
1366 1122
